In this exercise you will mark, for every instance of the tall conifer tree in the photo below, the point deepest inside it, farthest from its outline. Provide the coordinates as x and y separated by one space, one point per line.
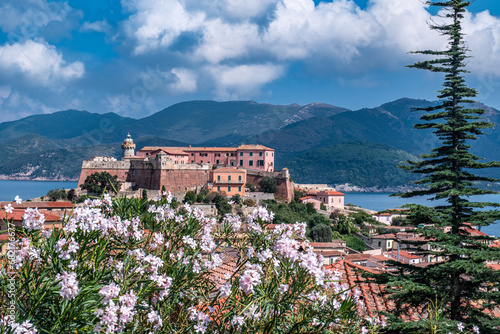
463 286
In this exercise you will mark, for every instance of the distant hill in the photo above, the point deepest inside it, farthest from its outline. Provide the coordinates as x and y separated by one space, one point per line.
358 163
192 122
313 141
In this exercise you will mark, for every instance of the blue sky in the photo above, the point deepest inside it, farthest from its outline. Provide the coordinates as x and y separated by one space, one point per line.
136 57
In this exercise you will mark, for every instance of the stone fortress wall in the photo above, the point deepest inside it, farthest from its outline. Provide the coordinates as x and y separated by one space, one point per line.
154 173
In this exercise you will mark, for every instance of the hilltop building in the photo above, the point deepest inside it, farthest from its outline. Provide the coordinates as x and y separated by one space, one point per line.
179 169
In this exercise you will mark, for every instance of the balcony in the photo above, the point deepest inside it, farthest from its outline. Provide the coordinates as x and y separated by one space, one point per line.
229 182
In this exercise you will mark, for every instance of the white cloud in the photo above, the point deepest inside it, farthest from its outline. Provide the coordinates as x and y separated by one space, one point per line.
24 19
157 23
185 81
99 26
39 62
245 80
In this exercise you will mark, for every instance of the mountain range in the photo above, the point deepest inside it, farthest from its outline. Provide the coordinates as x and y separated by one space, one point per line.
319 143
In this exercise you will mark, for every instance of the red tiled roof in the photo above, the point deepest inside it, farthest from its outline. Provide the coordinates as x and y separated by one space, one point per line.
40 205
333 243
495 266
380 258
254 147
17 215
475 233
495 244
229 170
384 236
211 149
372 294
329 253
381 214
404 254
331 193
357 257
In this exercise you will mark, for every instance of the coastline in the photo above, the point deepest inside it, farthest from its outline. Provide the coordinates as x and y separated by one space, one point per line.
27 178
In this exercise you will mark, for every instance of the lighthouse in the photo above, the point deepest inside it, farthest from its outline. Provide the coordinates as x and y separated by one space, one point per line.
128 147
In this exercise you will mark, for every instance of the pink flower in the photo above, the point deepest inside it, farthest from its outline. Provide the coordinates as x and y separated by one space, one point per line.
24 328
154 318
18 200
249 279
109 292
68 284
283 288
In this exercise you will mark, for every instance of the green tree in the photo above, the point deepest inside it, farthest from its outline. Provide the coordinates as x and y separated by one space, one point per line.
236 199
268 185
354 242
463 283
98 183
190 197
223 207
57 194
344 225
321 233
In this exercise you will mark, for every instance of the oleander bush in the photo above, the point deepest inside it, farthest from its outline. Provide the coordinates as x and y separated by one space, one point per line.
133 266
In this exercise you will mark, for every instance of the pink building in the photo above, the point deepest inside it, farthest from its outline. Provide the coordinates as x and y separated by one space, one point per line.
256 157
405 257
332 199
228 180
224 156
310 199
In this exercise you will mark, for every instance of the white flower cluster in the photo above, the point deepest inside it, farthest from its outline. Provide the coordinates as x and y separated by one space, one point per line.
116 315
25 328
33 219
69 285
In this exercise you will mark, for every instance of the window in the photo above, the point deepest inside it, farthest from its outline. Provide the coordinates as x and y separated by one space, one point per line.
229 177
241 154
182 162
239 188
241 162
227 154
192 154
267 154
260 162
201 154
218 177
192 161
176 162
251 154
229 188
239 177
379 243
260 154
176 155
218 188
250 162
217 161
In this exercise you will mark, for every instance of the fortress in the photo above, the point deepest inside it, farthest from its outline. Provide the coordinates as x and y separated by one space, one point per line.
180 169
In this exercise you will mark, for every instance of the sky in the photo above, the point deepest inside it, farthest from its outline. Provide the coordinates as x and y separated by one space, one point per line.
136 57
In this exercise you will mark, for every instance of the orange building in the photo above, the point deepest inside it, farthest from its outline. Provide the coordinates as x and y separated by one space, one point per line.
229 180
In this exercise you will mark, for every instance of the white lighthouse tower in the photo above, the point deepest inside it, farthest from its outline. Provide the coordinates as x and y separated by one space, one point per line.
128 147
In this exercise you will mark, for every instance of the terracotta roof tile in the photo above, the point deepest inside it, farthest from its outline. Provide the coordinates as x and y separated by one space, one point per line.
331 193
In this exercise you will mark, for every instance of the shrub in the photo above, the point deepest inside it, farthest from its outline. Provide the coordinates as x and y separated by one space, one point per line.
190 197
249 202
268 185
98 183
321 233
103 272
57 194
